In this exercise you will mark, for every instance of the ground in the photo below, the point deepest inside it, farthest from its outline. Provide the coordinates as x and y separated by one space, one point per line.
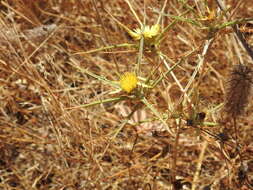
67 121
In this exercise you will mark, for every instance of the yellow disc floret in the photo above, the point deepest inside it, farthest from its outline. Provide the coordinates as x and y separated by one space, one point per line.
128 82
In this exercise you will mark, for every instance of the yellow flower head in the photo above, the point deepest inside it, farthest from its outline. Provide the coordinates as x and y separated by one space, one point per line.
128 81
148 32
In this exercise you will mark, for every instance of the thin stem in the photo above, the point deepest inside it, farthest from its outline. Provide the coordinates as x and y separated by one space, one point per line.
237 31
105 31
134 13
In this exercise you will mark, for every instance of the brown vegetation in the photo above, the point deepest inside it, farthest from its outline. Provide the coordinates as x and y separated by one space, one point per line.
66 124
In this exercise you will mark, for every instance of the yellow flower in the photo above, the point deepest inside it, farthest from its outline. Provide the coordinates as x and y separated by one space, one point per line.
148 32
128 81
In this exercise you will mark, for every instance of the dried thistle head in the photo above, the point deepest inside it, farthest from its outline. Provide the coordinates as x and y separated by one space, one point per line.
238 90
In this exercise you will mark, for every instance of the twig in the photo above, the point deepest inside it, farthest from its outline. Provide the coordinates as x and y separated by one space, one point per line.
198 169
237 32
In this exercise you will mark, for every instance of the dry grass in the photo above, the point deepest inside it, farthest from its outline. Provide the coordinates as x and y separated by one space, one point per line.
65 124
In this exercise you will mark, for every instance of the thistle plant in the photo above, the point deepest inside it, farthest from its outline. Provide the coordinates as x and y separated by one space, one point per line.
149 38
136 84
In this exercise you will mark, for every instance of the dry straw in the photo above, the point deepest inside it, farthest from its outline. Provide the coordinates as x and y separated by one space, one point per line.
238 91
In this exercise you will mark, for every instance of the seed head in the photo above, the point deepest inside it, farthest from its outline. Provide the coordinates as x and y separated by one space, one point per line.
238 90
128 82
